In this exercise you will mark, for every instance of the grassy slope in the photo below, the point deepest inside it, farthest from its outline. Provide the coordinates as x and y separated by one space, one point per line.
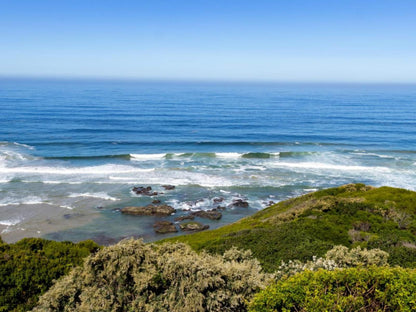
310 225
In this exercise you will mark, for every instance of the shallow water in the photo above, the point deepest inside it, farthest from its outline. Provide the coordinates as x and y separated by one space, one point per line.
71 151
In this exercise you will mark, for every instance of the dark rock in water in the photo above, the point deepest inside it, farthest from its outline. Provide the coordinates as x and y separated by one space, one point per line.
163 227
269 203
193 226
150 210
209 214
168 187
140 190
239 203
220 208
187 217
156 201
217 200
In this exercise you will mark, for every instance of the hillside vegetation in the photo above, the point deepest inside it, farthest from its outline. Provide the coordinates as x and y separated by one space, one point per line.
338 249
353 289
133 276
29 267
299 228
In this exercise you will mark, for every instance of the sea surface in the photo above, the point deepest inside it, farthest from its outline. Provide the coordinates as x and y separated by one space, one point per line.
71 151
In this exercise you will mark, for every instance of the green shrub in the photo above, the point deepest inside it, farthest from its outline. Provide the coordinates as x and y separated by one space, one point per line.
28 268
353 289
336 258
133 276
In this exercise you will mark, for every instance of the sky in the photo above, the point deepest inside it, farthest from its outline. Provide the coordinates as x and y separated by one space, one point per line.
292 40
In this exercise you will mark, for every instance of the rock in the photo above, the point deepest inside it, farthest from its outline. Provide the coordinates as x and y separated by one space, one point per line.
156 201
239 203
163 227
217 200
187 217
209 214
140 190
269 203
150 210
220 208
168 187
193 226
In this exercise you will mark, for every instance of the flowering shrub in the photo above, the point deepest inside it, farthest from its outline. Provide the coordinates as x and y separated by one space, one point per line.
133 276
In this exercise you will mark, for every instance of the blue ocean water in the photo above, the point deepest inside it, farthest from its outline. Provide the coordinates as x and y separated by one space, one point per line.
71 150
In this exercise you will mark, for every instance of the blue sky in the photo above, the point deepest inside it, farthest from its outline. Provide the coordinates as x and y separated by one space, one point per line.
293 40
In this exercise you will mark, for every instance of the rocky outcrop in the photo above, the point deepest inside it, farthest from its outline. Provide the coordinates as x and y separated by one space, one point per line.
168 187
217 200
141 190
239 203
163 227
186 217
193 226
149 210
209 214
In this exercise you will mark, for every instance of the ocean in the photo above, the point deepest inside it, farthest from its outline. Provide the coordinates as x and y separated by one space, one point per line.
72 150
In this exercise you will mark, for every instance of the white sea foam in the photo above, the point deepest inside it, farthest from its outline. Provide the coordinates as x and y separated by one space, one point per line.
202 204
30 200
24 145
225 192
250 168
100 195
10 222
93 170
66 207
228 155
328 166
145 157
373 154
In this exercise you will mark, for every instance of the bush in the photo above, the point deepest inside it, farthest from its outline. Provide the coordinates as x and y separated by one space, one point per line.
336 258
353 289
133 276
28 268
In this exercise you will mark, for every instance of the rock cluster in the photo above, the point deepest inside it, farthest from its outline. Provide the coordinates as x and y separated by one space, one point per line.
149 210
141 190
209 214
193 226
239 203
163 227
168 187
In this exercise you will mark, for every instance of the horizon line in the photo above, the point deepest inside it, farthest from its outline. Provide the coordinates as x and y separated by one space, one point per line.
198 80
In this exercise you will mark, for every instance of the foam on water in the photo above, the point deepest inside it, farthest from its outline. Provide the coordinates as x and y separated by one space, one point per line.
10 222
93 170
327 166
29 200
229 155
100 195
146 157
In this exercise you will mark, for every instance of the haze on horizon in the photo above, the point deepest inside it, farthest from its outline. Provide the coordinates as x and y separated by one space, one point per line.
297 40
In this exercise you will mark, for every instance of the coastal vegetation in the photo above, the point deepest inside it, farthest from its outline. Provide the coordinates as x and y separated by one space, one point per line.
353 289
29 267
300 228
341 249
133 276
